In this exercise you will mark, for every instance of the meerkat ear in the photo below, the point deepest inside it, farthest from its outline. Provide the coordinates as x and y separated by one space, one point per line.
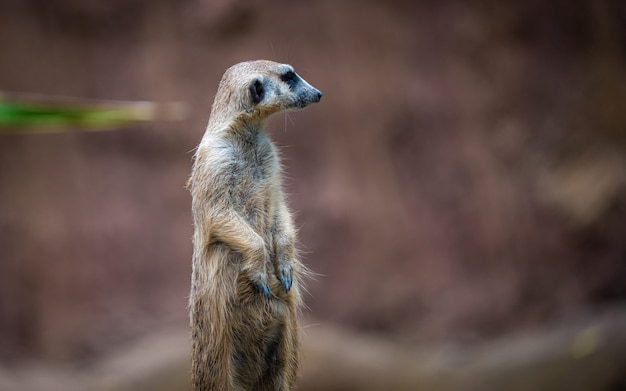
256 91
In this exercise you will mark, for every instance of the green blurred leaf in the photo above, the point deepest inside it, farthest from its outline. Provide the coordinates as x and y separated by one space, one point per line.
54 114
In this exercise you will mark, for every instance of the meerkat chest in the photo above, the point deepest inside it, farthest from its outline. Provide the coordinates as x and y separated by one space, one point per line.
257 175
257 163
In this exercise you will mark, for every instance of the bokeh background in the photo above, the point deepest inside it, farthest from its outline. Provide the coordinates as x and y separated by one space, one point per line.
460 190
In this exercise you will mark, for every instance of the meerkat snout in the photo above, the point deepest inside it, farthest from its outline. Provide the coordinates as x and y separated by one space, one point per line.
305 93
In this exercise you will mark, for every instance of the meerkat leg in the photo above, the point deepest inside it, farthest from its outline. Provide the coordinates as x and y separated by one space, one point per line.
210 366
284 243
284 269
212 336
236 233
257 363
290 351
277 361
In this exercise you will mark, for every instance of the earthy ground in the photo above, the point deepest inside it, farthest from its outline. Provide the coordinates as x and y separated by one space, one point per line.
462 180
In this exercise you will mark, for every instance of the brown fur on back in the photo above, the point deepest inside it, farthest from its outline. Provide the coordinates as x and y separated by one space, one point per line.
246 278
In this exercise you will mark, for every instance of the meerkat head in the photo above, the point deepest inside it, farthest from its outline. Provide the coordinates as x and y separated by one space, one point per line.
258 89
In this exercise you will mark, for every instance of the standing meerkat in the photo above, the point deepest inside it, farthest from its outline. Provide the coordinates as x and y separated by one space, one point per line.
245 288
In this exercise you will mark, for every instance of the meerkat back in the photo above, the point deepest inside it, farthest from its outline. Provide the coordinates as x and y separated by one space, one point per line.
246 277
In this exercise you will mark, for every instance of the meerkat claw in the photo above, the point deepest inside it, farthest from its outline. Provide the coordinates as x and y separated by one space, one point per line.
286 283
260 281
286 277
264 289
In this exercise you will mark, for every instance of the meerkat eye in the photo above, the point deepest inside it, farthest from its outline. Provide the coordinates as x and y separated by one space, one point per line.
290 78
257 91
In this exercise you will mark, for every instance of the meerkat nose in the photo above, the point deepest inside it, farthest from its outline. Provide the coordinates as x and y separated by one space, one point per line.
318 94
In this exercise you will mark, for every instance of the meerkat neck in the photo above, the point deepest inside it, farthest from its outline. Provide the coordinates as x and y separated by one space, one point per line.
238 127
249 133
230 117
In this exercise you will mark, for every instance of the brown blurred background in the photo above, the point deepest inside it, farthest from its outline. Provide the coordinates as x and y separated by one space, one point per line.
463 181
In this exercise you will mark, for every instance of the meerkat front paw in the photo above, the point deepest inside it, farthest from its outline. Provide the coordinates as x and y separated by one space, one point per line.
284 272
260 280
256 270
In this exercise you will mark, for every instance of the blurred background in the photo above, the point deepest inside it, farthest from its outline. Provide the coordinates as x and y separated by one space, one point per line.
460 190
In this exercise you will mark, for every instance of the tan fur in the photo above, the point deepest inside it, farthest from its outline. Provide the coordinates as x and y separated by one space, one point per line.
246 278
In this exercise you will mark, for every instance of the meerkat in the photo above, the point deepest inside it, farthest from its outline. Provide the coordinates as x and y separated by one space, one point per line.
246 276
